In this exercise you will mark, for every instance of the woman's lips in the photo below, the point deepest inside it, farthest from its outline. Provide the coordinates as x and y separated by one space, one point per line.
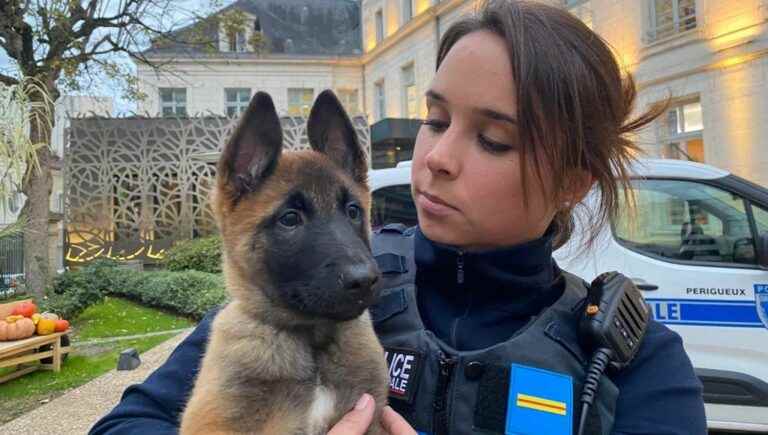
434 205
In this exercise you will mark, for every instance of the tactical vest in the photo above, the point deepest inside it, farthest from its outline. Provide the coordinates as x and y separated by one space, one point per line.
442 391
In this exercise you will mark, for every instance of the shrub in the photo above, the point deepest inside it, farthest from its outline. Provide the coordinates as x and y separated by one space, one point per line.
74 291
191 293
202 254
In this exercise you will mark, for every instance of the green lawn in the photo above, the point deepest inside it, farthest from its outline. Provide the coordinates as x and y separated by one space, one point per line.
113 317
118 317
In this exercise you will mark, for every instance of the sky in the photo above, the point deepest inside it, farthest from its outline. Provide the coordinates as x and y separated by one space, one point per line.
108 88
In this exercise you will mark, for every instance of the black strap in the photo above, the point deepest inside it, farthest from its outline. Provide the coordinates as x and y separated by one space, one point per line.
492 398
391 263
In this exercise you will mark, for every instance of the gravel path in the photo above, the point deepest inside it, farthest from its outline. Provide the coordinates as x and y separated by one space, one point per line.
128 337
76 411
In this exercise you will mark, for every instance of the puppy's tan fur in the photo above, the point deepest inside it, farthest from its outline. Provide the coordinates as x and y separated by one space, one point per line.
269 369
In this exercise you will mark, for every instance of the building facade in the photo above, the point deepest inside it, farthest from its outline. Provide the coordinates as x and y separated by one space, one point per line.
708 57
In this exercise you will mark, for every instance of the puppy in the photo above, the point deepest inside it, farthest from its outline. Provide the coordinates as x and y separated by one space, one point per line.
294 349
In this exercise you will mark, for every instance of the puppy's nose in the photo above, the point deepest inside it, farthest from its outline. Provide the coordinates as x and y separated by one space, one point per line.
360 277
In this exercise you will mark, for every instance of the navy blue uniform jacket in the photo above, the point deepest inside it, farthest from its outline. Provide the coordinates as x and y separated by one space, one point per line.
659 393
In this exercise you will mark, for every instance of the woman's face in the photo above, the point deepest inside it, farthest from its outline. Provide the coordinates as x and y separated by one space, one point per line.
466 173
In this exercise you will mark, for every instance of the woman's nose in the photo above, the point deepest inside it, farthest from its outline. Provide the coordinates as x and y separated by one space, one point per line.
442 159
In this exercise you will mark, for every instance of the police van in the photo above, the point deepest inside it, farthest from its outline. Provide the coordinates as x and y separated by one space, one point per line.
697 246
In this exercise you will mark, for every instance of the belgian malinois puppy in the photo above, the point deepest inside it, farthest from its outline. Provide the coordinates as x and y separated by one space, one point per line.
294 349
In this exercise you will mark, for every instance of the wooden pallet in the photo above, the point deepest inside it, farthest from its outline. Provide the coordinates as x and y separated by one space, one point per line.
22 355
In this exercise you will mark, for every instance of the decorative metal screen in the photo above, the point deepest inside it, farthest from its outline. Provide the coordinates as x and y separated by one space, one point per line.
135 185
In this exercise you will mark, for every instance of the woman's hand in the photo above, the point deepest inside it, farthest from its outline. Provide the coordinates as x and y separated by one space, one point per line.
357 421
394 424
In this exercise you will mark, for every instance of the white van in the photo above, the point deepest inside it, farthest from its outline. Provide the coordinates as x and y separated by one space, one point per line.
698 249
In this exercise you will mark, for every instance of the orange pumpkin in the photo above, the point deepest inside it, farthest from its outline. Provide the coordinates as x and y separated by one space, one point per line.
26 309
16 329
61 325
46 326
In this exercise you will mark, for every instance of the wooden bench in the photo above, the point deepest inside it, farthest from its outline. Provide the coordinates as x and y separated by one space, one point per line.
20 353
23 355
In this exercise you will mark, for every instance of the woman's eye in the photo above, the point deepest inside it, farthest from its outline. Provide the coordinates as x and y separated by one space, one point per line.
493 146
436 125
290 219
354 212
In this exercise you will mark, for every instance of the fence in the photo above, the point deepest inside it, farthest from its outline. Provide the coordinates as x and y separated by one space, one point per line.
11 263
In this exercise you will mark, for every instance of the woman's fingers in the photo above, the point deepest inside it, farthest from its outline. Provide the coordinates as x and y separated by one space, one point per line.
394 424
356 421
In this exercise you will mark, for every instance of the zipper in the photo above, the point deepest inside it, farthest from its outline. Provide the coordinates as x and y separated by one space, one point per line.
460 268
460 281
440 405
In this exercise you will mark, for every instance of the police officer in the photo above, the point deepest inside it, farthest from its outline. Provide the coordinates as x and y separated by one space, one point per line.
527 112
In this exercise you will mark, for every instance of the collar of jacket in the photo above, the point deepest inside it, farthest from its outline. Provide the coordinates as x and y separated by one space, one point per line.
518 279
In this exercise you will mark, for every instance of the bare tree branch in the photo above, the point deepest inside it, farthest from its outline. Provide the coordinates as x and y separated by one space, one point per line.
8 80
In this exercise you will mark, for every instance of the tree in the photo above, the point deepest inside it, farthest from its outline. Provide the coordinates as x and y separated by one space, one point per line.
16 149
62 44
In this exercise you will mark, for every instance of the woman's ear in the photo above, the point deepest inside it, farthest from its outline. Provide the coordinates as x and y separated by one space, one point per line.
582 183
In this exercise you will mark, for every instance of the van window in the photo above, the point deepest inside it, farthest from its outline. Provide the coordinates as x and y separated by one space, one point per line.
391 205
687 221
761 220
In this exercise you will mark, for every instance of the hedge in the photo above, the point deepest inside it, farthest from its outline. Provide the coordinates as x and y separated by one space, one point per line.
191 293
202 254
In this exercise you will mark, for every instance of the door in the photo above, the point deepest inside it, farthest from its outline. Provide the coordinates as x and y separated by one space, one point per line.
692 244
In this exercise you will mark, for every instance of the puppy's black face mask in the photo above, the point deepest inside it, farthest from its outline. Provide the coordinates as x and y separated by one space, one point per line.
318 254
316 249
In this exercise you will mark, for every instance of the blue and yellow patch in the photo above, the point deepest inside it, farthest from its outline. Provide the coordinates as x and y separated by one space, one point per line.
540 402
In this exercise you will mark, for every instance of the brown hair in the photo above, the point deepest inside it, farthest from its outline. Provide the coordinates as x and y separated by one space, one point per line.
574 105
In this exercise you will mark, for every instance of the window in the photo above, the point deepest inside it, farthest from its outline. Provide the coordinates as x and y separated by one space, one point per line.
761 222
14 200
379 26
58 205
407 10
393 205
681 132
348 98
670 17
173 101
236 100
380 102
582 9
237 41
410 100
300 101
686 221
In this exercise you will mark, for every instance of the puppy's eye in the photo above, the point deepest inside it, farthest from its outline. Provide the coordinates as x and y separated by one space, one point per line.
290 219
354 212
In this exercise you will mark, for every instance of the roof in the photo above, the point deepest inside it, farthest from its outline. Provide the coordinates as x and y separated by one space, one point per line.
292 27
676 169
660 168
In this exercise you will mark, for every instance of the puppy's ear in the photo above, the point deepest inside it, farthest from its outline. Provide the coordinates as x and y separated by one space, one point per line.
252 152
330 132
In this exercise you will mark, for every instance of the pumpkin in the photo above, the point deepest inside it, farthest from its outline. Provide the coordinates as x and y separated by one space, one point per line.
49 315
60 325
36 318
26 309
46 326
16 329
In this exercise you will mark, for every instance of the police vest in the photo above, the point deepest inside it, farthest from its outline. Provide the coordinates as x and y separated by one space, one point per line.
529 384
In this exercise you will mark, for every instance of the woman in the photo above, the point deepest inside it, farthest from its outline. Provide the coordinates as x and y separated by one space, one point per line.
526 113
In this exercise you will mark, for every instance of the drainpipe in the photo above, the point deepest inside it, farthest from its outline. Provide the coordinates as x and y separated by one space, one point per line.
363 92
437 33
